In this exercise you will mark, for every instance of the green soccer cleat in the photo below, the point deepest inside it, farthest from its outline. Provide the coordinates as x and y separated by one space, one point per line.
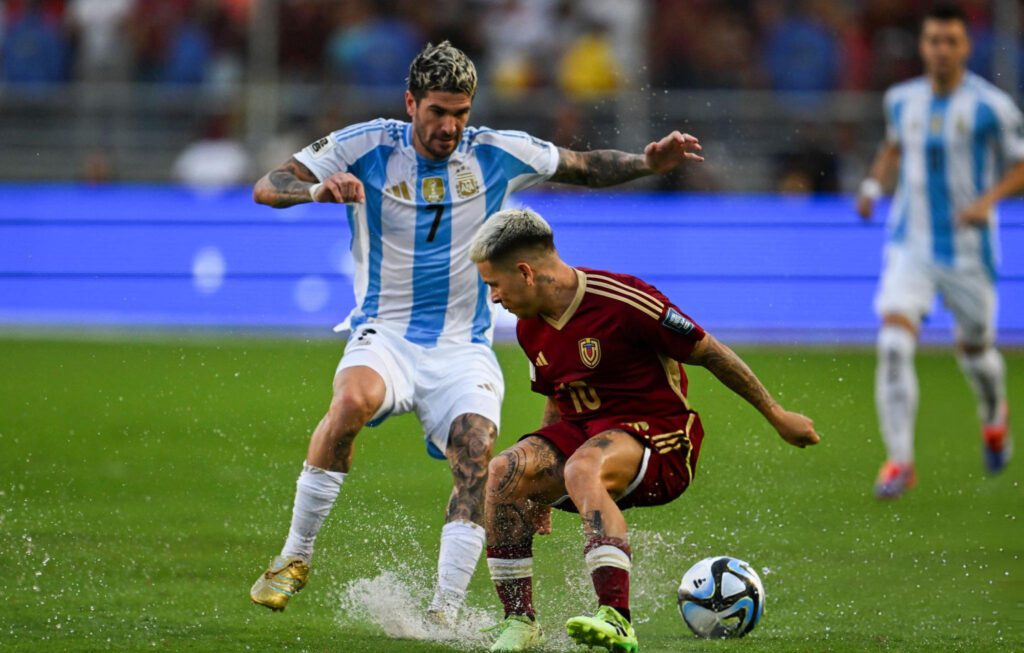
280 582
607 628
516 633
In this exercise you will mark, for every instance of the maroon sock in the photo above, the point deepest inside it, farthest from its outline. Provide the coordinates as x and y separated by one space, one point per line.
512 572
608 559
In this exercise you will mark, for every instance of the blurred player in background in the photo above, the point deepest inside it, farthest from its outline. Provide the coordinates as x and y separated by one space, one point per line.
416 192
606 349
958 144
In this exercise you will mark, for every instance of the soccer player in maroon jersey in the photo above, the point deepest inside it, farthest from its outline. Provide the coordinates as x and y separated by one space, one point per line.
607 350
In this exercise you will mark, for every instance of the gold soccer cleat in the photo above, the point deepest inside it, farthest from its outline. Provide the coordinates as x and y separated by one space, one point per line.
280 582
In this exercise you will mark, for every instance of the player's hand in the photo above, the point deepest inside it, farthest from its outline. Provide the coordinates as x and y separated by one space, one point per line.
665 155
865 206
340 188
977 214
796 429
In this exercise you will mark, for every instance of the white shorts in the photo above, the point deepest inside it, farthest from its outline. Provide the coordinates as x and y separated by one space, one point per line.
439 383
909 284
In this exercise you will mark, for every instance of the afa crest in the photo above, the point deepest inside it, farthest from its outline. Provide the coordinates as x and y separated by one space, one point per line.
466 184
433 189
590 352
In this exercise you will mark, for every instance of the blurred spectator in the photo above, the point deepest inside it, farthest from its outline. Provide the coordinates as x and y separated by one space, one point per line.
305 26
588 68
34 49
799 51
215 161
371 49
153 22
521 37
722 53
102 45
188 52
891 27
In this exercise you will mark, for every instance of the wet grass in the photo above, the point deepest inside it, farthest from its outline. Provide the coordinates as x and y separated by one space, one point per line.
144 485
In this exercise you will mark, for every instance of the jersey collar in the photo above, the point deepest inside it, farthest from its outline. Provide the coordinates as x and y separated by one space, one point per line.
581 289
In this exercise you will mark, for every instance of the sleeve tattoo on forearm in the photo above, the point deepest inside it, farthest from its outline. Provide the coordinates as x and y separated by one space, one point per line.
599 168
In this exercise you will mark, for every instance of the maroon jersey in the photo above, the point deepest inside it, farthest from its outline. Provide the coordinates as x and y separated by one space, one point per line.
614 353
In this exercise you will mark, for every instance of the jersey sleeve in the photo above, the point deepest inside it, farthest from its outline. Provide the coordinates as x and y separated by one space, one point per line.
524 160
539 385
339 150
666 328
1011 130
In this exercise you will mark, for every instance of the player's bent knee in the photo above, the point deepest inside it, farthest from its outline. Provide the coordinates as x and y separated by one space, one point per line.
352 409
508 475
582 470
899 321
472 437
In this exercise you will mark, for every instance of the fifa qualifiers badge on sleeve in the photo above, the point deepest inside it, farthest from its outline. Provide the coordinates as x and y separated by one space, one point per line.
320 147
677 322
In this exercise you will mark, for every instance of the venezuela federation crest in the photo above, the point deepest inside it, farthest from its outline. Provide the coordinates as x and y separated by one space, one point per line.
590 352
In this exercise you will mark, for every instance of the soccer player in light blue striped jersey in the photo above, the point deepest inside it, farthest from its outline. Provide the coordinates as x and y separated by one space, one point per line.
957 143
415 194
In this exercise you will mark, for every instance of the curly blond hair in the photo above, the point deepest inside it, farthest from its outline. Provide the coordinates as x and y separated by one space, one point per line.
441 67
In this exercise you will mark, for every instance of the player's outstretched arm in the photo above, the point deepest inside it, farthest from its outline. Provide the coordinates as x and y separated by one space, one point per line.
293 183
600 168
730 369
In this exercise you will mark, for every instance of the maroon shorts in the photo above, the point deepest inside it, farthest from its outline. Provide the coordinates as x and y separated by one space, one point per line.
671 447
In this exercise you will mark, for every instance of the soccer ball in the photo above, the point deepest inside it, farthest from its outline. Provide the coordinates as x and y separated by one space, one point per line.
721 597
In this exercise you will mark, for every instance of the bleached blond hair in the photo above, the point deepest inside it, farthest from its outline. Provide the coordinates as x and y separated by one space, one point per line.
510 232
441 67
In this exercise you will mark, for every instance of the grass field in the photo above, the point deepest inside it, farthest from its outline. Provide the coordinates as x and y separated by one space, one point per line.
144 485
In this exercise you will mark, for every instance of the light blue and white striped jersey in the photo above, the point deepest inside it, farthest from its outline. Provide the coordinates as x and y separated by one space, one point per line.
411 238
952 149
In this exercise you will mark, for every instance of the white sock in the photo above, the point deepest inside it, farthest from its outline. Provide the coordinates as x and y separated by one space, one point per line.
315 492
986 372
896 392
461 545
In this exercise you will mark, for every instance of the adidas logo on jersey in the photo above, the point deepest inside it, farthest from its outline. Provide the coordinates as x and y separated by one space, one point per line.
541 361
400 190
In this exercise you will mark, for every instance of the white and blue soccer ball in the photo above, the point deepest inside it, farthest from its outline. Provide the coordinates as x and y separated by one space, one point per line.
721 597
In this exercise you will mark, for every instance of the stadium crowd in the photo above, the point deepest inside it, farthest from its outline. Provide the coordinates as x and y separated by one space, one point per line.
796 45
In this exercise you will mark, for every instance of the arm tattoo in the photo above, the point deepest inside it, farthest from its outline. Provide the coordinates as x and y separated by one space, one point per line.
598 168
732 372
286 186
469 452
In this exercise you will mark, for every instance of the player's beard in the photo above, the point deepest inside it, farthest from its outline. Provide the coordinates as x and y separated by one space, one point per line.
440 148
435 146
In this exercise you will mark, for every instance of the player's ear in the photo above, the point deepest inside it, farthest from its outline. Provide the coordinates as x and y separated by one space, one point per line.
526 271
410 103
